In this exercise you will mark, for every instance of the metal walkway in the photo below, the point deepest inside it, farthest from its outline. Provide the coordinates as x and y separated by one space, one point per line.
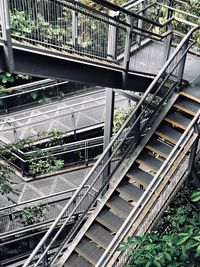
92 46
85 111
67 116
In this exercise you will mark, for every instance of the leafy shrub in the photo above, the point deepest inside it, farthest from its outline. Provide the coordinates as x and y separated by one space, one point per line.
175 241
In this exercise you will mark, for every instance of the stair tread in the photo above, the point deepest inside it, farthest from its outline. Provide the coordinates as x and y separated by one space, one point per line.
89 250
130 190
178 120
110 220
192 92
149 161
159 147
76 261
119 205
140 176
99 235
168 133
187 105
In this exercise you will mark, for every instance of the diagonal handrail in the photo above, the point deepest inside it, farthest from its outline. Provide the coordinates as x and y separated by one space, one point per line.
106 151
168 163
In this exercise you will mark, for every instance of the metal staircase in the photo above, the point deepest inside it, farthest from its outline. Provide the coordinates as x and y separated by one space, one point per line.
152 152
102 228
141 172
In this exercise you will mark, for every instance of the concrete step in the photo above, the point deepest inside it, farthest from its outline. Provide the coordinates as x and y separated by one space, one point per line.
89 251
139 176
169 133
132 192
192 93
177 120
76 261
119 206
99 235
110 220
187 105
159 147
149 162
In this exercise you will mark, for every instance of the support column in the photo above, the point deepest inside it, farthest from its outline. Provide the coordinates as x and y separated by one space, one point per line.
109 112
6 34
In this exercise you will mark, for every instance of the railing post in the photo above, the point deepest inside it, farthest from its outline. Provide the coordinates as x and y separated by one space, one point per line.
193 149
45 258
75 28
167 47
112 38
109 112
6 34
140 22
182 63
129 29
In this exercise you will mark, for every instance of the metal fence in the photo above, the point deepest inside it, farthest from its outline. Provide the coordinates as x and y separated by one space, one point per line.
51 205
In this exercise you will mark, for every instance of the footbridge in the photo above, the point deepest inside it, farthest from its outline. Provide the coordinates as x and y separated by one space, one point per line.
154 151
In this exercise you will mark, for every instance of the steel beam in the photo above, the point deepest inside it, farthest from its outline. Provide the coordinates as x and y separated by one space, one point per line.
42 64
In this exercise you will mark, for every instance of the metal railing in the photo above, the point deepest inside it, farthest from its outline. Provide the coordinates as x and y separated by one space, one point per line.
72 154
12 225
162 174
41 92
14 127
74 29
121 146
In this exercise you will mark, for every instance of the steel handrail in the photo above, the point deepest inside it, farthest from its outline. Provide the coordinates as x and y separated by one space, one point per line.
106 151
149 191
37 199
32 90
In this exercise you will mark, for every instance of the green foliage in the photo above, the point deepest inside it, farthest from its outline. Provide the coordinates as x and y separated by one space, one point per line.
176 239
6 77
6 182
45 165
41 161
32 214
120 115
23 24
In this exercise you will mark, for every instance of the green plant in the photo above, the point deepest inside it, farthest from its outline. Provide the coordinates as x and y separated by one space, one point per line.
6 77
44 165
176 239
6 183
120 115
40 161
32 214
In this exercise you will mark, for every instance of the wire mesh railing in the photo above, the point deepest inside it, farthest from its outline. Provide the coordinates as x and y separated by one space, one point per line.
72 28
15 218
121 147
66 26
19 97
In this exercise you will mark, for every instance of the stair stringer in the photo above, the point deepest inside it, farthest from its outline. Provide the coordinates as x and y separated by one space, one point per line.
158 202
115 180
